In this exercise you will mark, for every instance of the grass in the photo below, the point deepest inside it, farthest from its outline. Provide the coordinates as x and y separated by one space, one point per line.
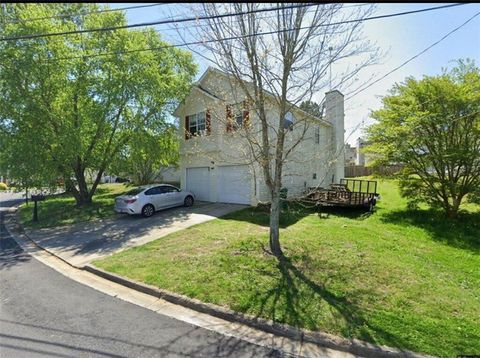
59 210
408 279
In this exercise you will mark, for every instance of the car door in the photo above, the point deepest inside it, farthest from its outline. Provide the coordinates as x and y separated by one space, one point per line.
175 197
155 197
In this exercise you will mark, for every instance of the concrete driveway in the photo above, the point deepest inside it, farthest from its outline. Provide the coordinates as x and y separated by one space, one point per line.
81 243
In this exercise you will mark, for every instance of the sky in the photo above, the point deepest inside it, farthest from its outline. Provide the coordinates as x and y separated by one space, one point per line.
399 37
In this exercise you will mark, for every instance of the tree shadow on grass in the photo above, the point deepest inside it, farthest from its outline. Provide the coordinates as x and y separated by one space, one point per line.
463 232
260 215
292 213
288 299
346 212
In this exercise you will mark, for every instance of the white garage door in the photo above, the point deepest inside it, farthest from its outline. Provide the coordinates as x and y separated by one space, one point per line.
198 183
233 184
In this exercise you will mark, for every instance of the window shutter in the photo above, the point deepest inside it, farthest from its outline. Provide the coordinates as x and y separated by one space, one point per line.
187 127
208 125
246 115
229 118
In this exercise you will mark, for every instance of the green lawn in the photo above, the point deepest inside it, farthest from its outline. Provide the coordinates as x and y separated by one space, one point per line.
61 209
399 278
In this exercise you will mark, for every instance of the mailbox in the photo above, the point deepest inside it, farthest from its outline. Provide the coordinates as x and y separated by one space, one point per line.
35 199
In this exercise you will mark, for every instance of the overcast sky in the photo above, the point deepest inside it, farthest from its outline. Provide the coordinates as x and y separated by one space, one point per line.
402 37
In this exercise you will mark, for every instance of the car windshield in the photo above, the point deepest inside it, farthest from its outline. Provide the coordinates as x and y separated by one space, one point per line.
135 191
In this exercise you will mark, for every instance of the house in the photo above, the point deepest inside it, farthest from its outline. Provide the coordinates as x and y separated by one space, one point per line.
362 159
350 155
216 160
91 175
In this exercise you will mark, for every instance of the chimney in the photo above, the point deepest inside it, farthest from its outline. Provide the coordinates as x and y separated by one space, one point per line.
334 113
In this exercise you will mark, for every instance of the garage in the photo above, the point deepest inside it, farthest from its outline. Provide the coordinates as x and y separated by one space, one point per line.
234 184
198 182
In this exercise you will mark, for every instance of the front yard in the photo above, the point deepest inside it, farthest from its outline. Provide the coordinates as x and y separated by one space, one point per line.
399 278
60 210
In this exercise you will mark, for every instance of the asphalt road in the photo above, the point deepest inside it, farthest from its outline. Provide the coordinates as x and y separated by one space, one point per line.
45 314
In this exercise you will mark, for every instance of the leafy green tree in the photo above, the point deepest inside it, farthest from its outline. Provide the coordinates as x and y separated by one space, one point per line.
143 158
432 127
65 105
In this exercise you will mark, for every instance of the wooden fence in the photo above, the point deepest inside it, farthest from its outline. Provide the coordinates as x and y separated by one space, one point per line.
361 170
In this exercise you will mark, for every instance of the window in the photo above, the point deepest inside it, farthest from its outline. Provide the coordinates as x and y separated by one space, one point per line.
169 189
317 135
314 175
288 121
197 124
154 191
237 116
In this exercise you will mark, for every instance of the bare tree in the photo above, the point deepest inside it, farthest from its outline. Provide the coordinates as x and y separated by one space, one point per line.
282 57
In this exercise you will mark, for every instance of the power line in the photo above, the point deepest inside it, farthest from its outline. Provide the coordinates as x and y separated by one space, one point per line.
198 18
202 26
413 57
160 22
240 37
83 14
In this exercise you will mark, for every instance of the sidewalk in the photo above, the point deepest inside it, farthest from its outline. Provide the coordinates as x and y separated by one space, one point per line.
82 243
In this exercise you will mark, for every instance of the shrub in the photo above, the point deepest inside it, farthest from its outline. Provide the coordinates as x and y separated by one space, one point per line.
3 186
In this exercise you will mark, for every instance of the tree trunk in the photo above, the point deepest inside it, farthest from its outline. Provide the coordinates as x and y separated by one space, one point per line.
275 226
452 213
452 210
84 196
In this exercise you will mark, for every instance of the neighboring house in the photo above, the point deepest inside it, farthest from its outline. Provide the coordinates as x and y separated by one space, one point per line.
91 175
362 159
350 155
215 161
108 179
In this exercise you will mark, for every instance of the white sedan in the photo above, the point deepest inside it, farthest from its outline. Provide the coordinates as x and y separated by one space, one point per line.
146 200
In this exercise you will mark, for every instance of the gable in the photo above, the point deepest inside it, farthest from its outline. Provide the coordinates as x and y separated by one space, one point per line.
198 96
216 85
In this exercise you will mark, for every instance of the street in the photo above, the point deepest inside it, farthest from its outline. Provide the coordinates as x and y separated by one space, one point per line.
43 313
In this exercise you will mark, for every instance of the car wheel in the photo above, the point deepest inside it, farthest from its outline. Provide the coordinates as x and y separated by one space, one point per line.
188 201
148 210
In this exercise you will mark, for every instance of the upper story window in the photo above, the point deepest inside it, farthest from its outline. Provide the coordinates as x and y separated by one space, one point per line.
197 124
288 121
238 116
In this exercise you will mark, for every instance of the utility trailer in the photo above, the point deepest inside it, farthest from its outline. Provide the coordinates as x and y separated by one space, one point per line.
349 193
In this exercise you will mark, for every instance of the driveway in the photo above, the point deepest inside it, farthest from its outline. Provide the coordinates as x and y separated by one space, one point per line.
46 314
82 243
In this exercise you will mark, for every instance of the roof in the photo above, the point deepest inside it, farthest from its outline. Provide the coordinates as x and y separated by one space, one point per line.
208 93
210 69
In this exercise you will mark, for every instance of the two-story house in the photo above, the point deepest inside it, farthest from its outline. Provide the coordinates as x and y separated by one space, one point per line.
220 134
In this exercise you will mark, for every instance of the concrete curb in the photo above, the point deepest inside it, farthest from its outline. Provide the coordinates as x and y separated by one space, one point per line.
352 346
22 230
